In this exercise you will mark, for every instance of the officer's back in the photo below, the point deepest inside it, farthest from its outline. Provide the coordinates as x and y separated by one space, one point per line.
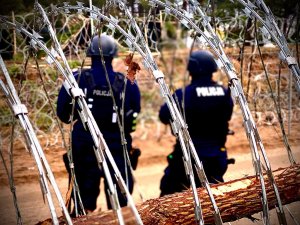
207 105
98 96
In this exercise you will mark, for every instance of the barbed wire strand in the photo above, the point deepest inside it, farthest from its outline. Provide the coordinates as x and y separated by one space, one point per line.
270 27
11 144
20 112
120 121
73 186
73 183
149 62
279 207
120 116
10 175
176 115
250 70
254 138
86 114
241 53
186 75
286 142
185 19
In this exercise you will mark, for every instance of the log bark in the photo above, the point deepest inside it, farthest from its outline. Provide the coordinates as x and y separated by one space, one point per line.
236 199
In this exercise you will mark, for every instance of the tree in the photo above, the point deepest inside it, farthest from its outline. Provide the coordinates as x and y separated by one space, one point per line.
7 6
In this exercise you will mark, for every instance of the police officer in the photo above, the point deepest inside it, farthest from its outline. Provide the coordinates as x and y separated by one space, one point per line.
208 107
94 84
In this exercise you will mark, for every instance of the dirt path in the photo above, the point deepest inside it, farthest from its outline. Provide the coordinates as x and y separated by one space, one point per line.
148 176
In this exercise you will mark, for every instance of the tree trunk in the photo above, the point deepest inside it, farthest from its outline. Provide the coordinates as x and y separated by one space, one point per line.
236 199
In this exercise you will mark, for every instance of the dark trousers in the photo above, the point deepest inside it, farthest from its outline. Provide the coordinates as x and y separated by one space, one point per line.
175 179
88 175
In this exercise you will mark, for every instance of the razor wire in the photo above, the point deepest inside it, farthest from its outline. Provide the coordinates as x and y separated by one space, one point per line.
114 22
270 27
279 207
256 161
113 193
120 116
209 35
72 186
258 96
73 31
56 45
20 111
120 119
184 142
180 129
123 140
131 41
10 174
87 118
36 43
264 94
237 92
229 22
40 114
178 124
276 105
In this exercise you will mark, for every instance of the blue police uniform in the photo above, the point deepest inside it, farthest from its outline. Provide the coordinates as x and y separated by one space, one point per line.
208 107
94 85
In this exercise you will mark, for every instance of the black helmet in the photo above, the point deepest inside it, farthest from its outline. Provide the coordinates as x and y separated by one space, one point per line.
202 63
108 46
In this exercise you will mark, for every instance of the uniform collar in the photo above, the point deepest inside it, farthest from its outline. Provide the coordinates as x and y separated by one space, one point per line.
98 66
202 80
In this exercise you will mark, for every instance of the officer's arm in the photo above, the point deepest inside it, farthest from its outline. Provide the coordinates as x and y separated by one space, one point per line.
229 105
136 100
64 106
134 106
164 112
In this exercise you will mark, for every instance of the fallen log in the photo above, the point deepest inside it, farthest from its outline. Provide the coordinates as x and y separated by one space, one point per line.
236 199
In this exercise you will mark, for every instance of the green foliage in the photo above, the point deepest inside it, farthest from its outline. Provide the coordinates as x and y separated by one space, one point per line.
52 73
24 6
34 97
75 26
63 37
18 58
170 29
283 8
226 8
14 70
43 121
145 5
6 116
74 64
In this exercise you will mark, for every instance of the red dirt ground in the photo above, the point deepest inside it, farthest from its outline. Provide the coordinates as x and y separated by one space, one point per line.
150 169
